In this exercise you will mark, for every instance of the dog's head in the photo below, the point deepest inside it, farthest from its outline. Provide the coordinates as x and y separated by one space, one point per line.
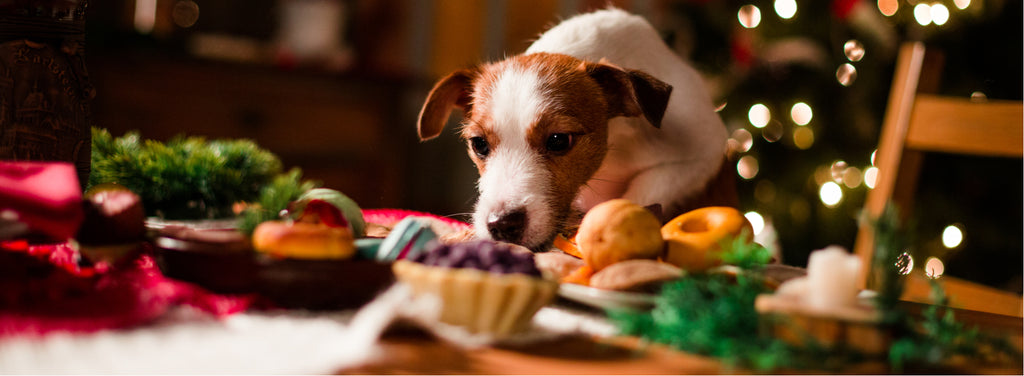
536 126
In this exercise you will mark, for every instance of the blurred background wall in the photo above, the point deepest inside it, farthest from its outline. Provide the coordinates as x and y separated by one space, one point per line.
334 87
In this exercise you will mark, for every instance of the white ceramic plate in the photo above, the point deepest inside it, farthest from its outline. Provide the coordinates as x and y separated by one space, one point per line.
606 299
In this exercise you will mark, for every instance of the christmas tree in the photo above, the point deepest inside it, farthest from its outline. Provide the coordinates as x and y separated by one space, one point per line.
803 87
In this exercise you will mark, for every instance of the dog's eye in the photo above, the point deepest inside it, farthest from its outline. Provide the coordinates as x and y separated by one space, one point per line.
559 142
480 146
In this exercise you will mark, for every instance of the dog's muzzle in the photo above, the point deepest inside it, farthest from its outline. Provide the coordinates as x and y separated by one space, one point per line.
508 226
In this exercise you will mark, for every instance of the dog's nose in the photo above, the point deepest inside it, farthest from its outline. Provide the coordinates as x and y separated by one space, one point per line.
508 227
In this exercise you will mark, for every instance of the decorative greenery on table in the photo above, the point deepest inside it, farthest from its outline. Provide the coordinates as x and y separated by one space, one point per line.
713 314
274 198
186 177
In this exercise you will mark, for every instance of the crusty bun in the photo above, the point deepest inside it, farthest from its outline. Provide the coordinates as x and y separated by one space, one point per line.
618 230
303 240
694 239
634 275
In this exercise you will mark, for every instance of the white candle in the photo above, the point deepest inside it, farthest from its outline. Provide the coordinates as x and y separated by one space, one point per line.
832 275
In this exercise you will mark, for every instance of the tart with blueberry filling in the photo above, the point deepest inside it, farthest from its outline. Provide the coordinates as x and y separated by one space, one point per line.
485 287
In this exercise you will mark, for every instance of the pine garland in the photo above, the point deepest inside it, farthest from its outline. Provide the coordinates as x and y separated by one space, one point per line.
714 314
185 178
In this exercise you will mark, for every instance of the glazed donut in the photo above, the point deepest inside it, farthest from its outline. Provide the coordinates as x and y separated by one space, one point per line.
303 240
694 239
618 230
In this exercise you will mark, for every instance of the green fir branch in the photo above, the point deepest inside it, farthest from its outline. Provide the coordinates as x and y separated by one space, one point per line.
186 177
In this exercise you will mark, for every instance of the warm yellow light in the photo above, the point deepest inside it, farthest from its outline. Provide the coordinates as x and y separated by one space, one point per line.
923 14
803 138
785 8
962 4
854 50
905 263
978 96
934 268
952 236
145 16
940 14
749 16
871 176
888 7
846 74
756 221
747 167
852 177
801 113
873 154
744 140
759 115
837 169
831 194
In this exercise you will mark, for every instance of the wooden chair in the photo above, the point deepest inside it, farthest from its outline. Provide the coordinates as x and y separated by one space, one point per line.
916 123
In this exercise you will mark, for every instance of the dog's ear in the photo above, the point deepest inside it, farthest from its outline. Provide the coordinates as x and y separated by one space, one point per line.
450 92
631 92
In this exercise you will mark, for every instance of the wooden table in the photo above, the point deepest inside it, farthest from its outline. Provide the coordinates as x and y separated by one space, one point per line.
410 351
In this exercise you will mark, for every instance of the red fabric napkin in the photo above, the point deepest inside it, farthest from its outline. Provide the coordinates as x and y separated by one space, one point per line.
390 217
46 196
43 290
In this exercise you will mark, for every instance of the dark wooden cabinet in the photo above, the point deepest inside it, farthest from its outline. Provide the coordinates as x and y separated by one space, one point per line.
353 134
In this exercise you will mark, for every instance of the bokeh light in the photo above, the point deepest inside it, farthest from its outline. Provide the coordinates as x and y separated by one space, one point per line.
962 4
904 263
852 177
933 268
744 140
747 167
940 14
785 8
846 74
773 131
756 221
923 14
854 50
978 96
764 191
801 113
831 194
837 170
888 7
749 16
759 115
185 13
803 138
873 154
952 236
871 176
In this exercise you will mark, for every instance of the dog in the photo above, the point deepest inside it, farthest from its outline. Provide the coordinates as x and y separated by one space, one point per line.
598 107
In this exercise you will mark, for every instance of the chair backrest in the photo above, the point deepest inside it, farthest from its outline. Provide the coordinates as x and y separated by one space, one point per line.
916 123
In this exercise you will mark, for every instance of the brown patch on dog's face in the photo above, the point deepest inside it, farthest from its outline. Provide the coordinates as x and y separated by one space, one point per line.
536 126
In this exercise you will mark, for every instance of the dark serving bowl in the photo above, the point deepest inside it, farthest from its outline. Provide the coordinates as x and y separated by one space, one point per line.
223 261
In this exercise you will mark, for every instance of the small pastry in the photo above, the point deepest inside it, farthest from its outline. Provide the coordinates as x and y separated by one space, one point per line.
618 230
113 224
635 275
484 286
557 264
303 240
695 239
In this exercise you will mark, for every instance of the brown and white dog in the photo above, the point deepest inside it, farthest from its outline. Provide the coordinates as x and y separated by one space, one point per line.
597 108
